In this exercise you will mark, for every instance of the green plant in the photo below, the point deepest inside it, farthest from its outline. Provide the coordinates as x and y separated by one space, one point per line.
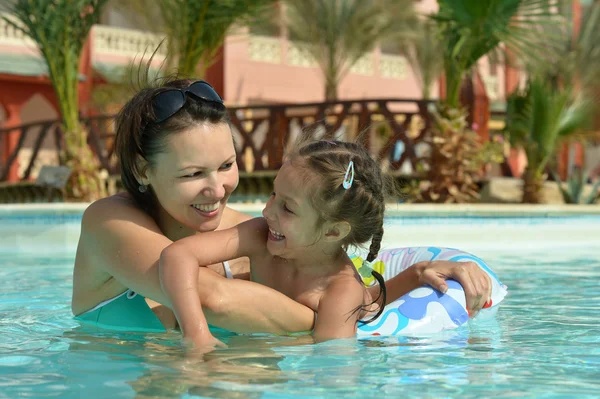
537 119
195 29
338 33
472 29
574 54
60 29
573 194
424 53
558 101
107 98
455 161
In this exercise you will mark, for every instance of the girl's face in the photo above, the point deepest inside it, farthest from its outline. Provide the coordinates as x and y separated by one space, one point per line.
195 176
293 222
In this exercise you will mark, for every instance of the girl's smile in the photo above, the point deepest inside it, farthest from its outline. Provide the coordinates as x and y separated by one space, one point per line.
275 236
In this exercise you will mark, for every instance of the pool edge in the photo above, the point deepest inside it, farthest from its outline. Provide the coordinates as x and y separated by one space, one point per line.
416 210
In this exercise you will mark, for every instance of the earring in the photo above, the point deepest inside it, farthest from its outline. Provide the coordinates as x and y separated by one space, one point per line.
142 188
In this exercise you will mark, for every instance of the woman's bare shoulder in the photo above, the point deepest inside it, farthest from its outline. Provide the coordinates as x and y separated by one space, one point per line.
118 200
119 247
116 209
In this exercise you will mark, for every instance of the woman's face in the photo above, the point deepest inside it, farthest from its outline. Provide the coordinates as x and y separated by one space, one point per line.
195 175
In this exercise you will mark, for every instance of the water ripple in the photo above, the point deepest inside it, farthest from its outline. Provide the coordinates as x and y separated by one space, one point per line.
544 342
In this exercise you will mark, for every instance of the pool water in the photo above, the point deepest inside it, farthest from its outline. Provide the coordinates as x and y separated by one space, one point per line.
543 343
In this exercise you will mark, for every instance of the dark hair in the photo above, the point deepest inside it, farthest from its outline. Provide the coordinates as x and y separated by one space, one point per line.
138 136
362 205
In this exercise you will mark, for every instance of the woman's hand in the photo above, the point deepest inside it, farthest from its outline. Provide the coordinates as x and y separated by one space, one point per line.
475 282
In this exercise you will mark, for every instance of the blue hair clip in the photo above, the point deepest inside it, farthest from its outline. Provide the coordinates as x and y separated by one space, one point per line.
349 177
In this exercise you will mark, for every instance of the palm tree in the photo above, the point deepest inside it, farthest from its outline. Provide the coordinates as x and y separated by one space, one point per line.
195 29
337 33
559 100
60 28
575 56
425 54
473 29
537 120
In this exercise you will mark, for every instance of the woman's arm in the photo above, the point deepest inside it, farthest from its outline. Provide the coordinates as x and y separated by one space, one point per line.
121 243
178 270
248 307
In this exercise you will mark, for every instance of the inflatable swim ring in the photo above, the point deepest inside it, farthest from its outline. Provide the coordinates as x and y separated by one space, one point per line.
423 310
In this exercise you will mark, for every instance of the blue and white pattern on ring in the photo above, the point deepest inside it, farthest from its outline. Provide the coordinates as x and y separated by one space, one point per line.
424 310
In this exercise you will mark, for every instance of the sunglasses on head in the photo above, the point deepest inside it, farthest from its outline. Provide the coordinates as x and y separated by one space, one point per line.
167 103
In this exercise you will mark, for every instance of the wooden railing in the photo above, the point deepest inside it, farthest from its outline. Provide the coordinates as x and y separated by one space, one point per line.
261 133
34 133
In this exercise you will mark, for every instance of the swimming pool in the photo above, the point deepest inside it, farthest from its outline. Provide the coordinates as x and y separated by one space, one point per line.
544 342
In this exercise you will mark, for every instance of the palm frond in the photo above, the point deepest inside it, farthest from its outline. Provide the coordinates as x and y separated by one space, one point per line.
542 115
141 14
199 28
588 46
571 56
576 116
546 112
195 29
472 29
518 118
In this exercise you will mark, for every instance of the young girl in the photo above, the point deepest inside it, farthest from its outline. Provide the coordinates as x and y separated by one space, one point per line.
327 195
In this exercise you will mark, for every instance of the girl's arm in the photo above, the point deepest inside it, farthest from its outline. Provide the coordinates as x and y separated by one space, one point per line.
475 282
339 310
120 247
178 271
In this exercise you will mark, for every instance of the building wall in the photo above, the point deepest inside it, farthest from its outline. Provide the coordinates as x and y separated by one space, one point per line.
263 70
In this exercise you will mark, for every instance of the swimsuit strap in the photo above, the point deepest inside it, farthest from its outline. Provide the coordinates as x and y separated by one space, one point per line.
227 269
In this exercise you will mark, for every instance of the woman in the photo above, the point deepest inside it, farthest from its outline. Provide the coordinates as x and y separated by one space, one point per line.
178 165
